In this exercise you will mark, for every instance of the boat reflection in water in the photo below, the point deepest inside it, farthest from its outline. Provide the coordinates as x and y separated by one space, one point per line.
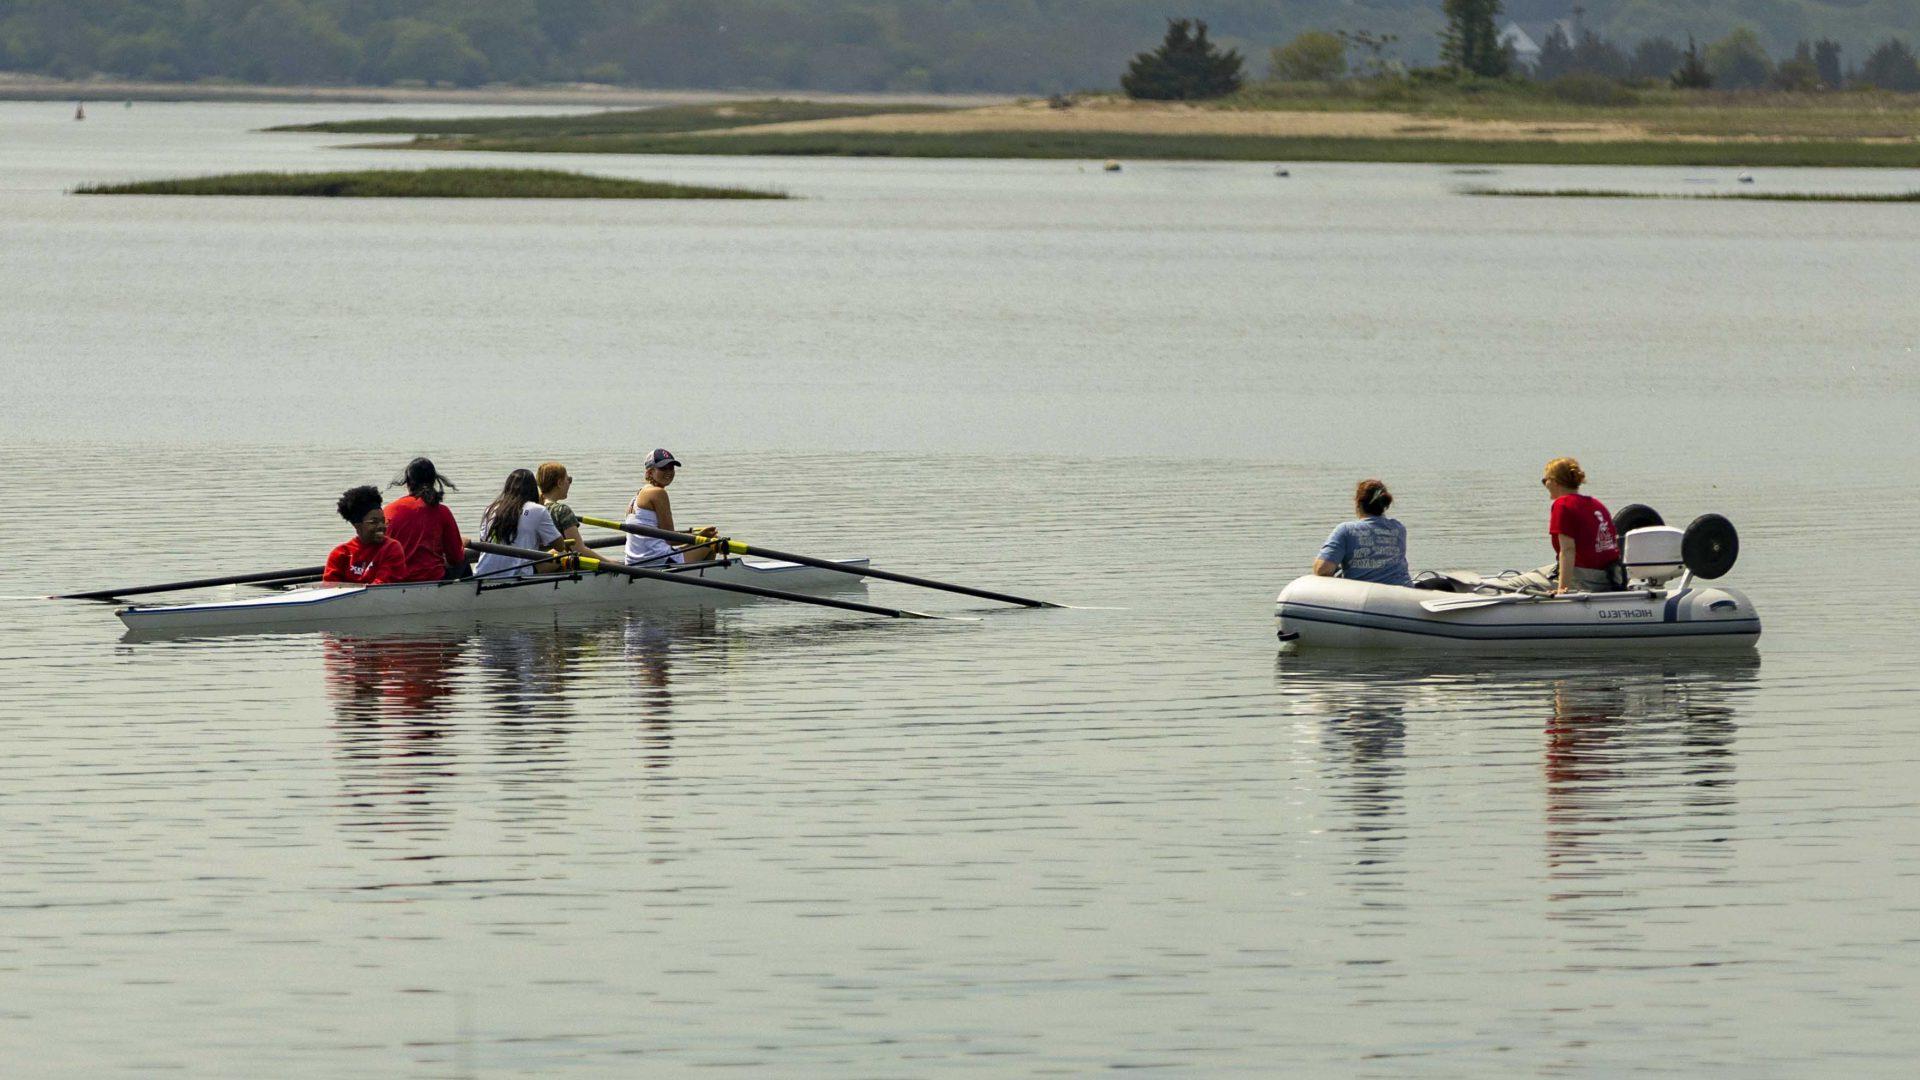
1636 760
409 704
531 704
390 698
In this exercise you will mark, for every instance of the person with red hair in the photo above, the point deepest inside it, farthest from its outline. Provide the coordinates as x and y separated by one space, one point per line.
1586 551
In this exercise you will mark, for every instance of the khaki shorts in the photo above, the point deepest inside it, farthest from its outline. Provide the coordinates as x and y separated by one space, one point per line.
1543 580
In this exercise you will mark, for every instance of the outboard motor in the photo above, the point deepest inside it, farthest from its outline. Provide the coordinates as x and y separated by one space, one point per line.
1654 554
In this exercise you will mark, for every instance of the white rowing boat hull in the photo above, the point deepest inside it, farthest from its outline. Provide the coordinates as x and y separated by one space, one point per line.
359 605
1323 612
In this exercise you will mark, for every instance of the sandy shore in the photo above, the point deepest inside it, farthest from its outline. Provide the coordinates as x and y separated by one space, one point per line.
30 88
1119 116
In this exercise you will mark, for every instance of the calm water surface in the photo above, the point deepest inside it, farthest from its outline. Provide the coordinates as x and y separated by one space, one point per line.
772 841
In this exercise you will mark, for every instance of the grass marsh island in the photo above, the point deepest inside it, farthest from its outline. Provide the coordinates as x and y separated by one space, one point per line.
1731 196
428 184
1393 121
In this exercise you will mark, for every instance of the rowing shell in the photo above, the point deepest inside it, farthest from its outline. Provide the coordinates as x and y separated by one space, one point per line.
358 604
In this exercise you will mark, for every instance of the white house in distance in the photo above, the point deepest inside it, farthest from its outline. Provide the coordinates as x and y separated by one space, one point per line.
1525 40
1525 50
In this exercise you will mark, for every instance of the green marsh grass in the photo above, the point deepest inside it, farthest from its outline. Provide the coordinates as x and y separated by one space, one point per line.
1098 145
665 120
1864 129
1739 196
428 184
1824 116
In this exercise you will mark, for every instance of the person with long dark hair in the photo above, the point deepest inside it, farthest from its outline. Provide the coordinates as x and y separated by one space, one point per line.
1372 547
516 519
424 526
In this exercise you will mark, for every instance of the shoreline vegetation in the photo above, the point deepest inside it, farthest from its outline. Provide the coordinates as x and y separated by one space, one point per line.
427 184
1397 122
665 119
1733 196
1094 146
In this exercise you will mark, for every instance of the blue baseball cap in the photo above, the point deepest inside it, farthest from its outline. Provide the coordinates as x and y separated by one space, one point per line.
661 459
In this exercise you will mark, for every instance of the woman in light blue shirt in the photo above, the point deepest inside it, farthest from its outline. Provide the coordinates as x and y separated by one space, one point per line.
1372 547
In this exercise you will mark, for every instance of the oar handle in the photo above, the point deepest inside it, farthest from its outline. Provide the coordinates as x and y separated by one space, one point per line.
734 547
738 548
533 555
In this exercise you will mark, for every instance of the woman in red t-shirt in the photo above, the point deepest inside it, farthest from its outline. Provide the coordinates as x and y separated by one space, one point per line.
370 558
422 523
1580 530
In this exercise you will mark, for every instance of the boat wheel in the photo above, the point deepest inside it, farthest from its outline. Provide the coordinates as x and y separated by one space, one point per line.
1710 547
1636 516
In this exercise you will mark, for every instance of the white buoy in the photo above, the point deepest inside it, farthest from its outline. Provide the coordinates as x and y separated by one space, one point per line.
1746 178
1111 165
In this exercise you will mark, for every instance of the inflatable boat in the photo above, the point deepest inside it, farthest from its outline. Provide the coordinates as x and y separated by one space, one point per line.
1668 603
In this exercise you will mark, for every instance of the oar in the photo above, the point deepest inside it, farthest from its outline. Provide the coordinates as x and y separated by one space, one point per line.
703 583
272 579
1463 603
738 548
197 583
281 583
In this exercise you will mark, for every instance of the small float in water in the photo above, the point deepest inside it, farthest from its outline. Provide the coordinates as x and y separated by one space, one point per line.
1111 166
1666 605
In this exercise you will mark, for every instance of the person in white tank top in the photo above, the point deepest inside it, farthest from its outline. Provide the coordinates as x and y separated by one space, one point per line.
651 507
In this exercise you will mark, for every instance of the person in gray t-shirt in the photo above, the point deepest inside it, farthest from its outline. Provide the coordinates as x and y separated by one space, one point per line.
1370 548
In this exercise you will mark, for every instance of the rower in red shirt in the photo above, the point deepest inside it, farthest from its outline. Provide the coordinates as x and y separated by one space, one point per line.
421 523
369 558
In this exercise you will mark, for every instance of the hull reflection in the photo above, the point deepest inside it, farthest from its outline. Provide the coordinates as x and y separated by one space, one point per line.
1636 756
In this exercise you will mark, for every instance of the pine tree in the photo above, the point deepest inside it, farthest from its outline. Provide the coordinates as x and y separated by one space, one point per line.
1892 66
1471 44
1556 56
1826 57
1692 73
1800 74
1186 67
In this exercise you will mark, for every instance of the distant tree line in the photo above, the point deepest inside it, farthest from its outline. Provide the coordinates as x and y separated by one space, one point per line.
1475 44
1738 61
938 45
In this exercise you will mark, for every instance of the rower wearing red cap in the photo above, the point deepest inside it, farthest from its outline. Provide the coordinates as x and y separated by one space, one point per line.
650 507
